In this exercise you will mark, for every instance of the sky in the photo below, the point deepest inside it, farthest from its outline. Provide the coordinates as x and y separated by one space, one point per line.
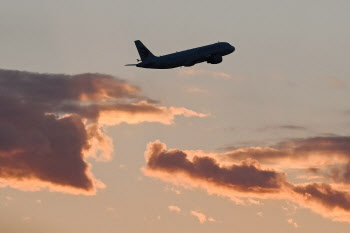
257 143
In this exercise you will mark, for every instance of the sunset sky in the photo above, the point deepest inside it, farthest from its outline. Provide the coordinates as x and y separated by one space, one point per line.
257 143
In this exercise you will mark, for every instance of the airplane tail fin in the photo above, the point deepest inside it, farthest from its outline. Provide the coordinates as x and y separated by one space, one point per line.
143 51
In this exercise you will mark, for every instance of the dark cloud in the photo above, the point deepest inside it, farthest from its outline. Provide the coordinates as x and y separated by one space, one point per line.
330 153
313 170
50 123
51 89
244 177
45 148
61 93
284 127
325 195
247 178
323 145
295 149
292 127
35 143
339 173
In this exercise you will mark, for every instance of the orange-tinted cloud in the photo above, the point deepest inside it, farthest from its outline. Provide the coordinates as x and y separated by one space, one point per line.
325 156
174 208
201 217
50 123
296 148
292 222
325 200
244 177
248 178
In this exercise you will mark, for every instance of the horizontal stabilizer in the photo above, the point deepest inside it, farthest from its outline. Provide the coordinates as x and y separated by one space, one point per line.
130 64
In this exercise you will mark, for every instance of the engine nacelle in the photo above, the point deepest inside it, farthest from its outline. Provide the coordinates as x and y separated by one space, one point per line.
215 59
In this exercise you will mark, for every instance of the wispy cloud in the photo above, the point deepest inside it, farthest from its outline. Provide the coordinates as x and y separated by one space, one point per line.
173 189
174 208
283 127
292 222
201 217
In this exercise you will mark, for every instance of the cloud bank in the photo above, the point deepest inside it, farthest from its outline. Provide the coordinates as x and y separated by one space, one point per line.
247 173
51 123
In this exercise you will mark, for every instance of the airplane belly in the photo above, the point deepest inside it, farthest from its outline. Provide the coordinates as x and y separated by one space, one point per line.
194 60
169 62
163 63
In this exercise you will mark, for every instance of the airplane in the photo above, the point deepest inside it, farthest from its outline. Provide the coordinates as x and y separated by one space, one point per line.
212 54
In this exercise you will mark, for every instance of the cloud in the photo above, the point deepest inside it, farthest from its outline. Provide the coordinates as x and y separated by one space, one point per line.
245 177
51 123
297 153
248 173
326 200
284 127
292 222
178 192
174 208
202 218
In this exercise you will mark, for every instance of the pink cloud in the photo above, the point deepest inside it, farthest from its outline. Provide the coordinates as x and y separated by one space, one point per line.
246 179
51 123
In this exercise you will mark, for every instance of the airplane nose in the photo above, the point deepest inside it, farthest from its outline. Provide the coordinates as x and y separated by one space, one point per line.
233 49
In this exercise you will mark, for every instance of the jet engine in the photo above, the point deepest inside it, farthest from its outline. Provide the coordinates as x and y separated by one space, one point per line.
216 59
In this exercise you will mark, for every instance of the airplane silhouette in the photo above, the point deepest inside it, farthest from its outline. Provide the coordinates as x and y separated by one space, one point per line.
212 54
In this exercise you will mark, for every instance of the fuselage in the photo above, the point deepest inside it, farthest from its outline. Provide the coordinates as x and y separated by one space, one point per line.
212 53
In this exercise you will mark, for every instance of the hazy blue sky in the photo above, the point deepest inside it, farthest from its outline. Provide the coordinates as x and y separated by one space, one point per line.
290 68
